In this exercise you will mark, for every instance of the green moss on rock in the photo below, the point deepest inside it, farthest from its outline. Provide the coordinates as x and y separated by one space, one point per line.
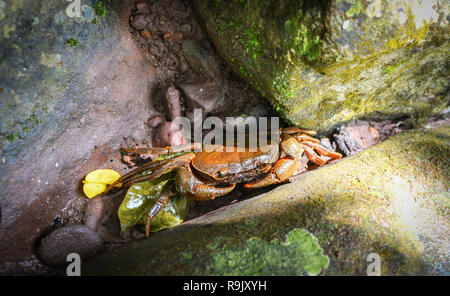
300 254
45 51
324 63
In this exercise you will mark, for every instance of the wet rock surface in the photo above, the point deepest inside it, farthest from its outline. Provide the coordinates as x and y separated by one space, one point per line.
94 212
390 199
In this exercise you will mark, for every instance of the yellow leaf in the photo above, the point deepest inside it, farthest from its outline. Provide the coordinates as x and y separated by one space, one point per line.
105 176
96 182
93 189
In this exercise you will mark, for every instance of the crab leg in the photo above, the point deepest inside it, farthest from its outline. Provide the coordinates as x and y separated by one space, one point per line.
164 150
296 130
322 150
303 137
157 207
135 172
313 156
156 169
166 166
294 146
285 167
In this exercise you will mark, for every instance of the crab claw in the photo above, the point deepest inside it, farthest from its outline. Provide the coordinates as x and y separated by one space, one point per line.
189 184
283 169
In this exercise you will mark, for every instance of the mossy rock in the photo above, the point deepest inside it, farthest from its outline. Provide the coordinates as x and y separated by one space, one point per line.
45 49
329 62
392 200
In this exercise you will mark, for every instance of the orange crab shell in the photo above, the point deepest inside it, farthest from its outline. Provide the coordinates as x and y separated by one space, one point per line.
219 165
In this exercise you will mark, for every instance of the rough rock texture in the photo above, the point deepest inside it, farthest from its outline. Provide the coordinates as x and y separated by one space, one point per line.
322 63
64 112
391 199
200 58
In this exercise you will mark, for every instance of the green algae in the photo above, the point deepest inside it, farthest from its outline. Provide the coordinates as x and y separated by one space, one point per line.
100 9
355 9
300 40
300 254
72 42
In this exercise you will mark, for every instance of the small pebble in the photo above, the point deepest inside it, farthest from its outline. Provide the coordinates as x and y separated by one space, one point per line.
356 137
138 22
177 37
146 34
141 5
155 121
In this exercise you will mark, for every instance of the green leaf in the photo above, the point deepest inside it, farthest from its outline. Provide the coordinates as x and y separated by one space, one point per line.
141 197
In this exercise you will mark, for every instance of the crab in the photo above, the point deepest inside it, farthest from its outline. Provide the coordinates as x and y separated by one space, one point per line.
214 172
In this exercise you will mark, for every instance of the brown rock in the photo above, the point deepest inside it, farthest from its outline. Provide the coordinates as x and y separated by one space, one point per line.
202 94
166 135
177 37
356 137
114 109
142 6
198 55
94 212
138 22
173 102
54 248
